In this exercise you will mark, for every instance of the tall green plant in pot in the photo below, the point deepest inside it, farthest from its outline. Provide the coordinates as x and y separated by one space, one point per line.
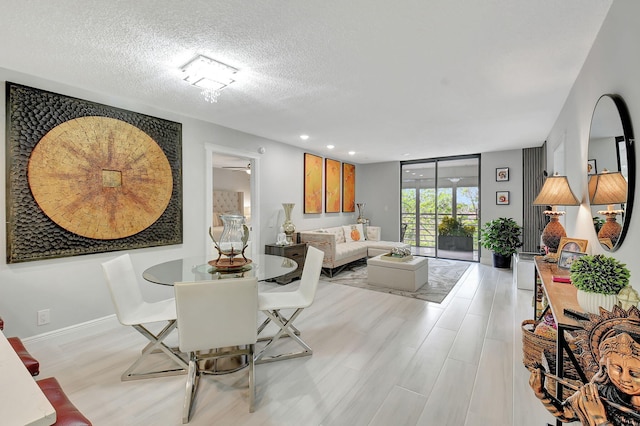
503 237
599 279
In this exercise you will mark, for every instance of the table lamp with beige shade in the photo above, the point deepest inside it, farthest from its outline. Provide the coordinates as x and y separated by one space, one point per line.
555 192
608 188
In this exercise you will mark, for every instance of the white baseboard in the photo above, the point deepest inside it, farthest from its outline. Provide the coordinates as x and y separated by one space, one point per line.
89 327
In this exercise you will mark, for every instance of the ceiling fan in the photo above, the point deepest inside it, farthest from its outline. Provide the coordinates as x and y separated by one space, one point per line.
246 168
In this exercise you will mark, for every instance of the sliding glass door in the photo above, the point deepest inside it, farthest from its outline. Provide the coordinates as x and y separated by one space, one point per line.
440 207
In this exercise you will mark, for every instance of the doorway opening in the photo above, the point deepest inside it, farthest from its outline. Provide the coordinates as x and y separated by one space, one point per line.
232 180
231 188
441 207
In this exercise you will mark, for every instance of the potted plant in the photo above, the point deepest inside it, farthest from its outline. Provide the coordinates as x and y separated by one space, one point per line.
453 235
599 279
502 237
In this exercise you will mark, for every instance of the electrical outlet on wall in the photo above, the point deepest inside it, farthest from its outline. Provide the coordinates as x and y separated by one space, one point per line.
44 317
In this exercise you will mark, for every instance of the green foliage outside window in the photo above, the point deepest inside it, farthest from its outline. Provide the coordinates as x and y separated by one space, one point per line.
452 227
425 222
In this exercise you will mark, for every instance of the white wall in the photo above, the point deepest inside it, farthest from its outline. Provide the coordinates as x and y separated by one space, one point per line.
74 289
489 210
611 67
378 185
232 180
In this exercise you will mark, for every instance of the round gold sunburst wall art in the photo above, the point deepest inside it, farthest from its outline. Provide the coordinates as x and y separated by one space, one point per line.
85 177
100 178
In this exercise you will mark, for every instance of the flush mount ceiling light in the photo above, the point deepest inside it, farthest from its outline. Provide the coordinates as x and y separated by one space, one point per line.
209 75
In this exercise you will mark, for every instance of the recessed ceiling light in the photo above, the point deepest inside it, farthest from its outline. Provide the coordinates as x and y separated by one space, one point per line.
330 146
304 137
352 153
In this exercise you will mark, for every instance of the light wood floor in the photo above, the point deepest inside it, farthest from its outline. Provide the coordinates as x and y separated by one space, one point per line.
378 359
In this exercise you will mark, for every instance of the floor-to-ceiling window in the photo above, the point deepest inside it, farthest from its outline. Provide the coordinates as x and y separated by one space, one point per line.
440 207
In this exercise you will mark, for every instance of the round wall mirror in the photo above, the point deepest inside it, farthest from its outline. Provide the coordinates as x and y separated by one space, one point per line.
611 170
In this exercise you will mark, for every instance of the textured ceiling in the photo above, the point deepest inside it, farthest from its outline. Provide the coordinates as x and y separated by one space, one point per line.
391 80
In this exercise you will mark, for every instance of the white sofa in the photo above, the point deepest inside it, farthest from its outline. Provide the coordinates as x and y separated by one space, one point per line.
338 252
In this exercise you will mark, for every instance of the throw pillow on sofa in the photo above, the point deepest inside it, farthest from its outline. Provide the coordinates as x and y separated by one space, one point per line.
353 233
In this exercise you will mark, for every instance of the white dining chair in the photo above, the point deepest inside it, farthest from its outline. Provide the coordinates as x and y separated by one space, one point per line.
217 314
272 303
133 311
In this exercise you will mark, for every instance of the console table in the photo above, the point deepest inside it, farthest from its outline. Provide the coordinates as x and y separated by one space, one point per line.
297 252
559 296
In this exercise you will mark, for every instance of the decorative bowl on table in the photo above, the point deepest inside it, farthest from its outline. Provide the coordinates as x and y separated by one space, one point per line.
229 264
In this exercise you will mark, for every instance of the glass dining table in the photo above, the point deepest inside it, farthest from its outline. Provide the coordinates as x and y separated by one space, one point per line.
262 266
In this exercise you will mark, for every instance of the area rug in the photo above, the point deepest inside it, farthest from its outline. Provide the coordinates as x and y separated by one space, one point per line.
443 276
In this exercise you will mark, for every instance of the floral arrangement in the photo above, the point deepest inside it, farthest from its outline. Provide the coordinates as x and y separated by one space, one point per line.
400 252
599 274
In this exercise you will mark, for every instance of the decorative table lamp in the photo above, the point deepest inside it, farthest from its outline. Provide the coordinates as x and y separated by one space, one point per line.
555 192
608 188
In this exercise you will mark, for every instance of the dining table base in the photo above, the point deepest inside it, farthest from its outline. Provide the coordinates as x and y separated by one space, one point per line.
225 365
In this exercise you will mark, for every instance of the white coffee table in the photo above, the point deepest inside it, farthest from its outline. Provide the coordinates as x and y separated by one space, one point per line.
408 275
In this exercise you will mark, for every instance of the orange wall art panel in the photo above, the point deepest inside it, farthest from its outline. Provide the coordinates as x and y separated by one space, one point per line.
348 187
312 183
332 186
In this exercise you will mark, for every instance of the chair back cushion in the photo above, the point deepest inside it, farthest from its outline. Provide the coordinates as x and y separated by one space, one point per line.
217 313
311 274
124 288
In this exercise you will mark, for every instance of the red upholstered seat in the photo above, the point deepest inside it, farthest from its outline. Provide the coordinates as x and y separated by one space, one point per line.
66 413
30 362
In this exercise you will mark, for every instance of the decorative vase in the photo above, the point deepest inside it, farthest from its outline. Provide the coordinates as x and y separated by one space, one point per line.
232 234
288 226
590 302
628 297
232 242
361 219
552 233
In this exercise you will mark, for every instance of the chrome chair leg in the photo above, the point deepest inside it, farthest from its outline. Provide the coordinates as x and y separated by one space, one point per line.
156 344
267 321
195 373
252 375
286 330
191 387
